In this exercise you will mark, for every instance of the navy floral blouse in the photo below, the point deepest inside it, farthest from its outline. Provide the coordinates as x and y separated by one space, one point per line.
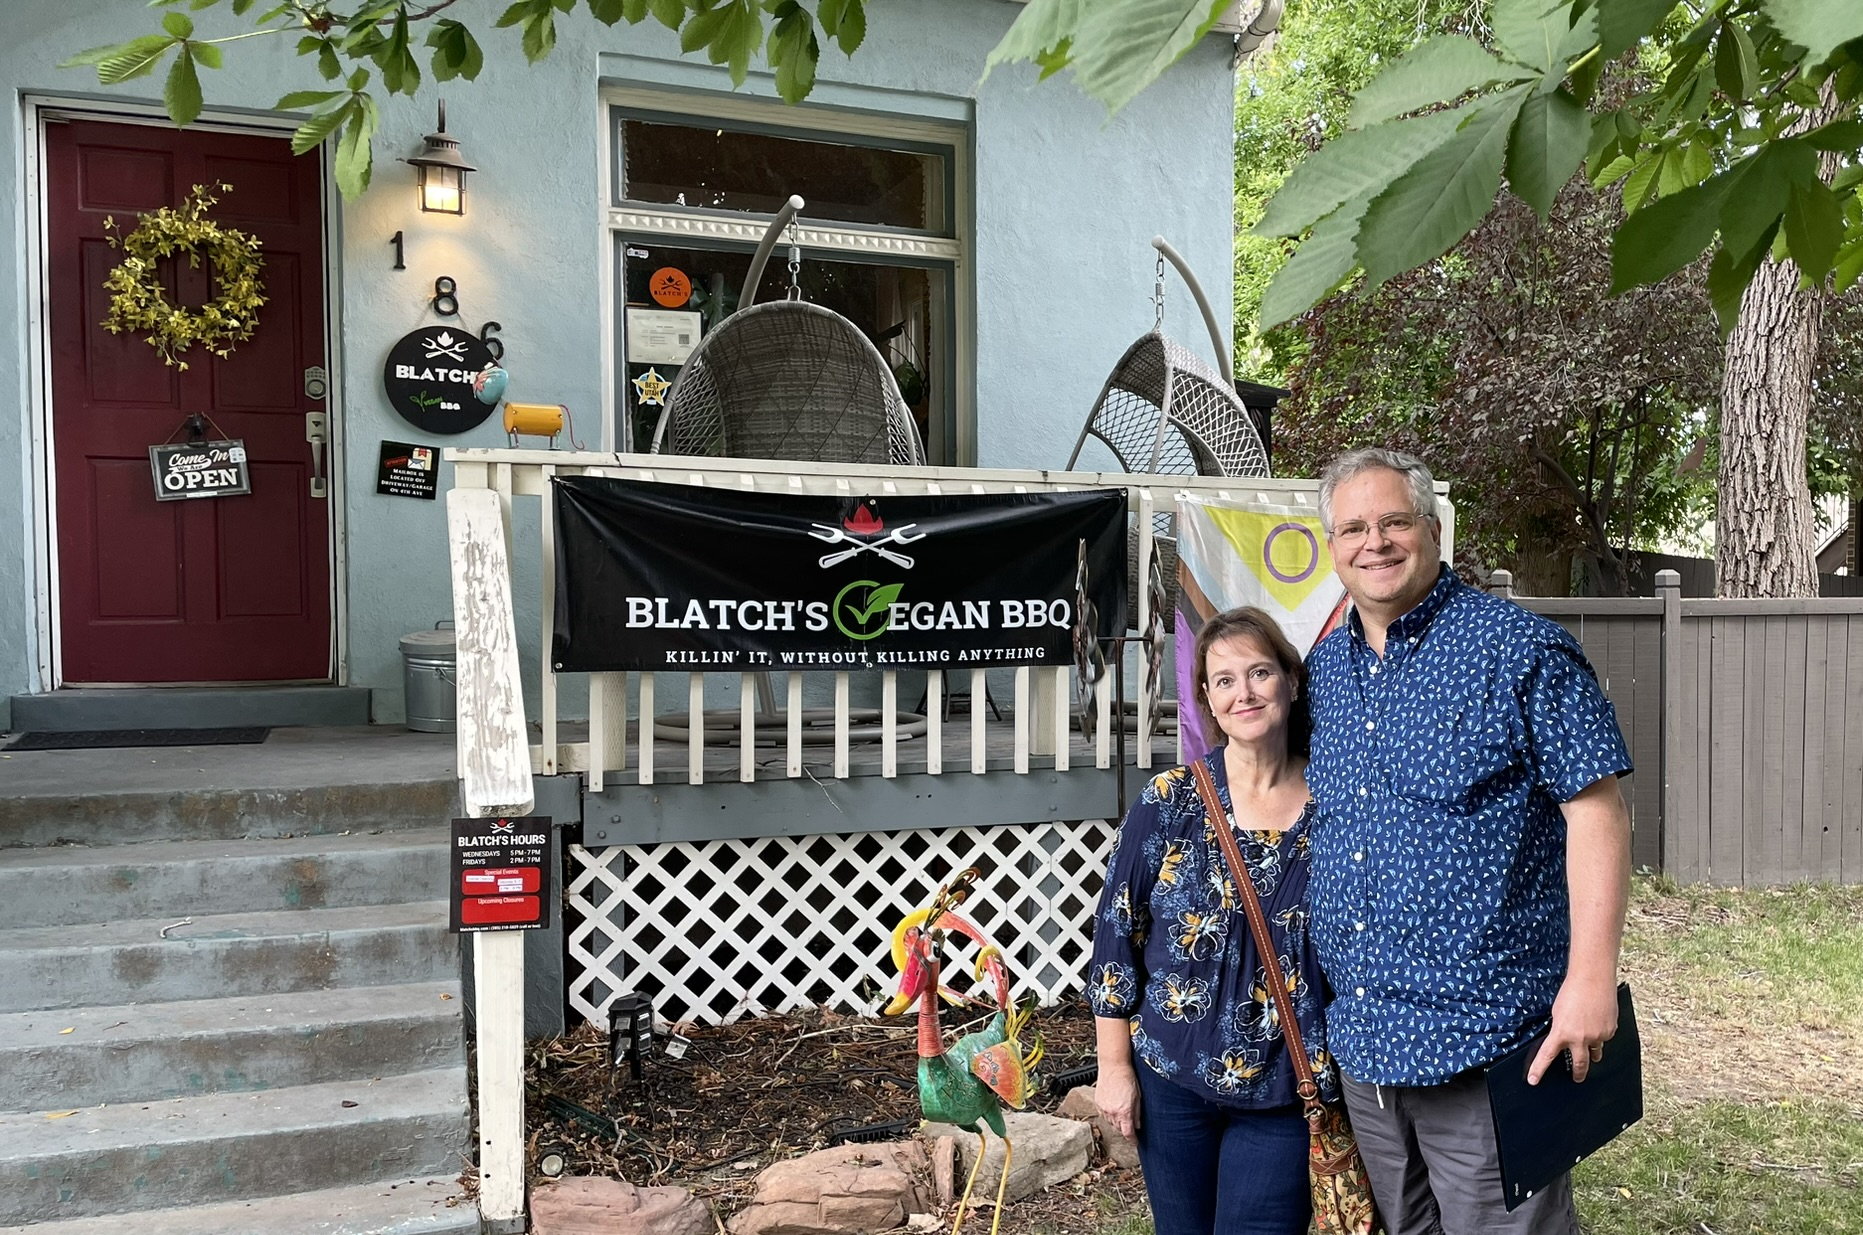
1173 954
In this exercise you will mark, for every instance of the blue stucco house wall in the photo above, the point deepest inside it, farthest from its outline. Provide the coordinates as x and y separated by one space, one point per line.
1054 213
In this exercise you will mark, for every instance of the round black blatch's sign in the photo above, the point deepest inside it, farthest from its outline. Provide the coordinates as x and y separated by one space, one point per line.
429 379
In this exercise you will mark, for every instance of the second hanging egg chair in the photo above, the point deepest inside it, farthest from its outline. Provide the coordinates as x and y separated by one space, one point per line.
1163 410
787 380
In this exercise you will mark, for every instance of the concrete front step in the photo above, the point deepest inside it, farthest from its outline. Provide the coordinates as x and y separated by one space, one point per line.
149 1051
65 884
57 1165
33 819
225 954
188 707
434 1205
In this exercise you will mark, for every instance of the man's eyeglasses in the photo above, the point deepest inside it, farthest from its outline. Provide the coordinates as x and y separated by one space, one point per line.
1354 531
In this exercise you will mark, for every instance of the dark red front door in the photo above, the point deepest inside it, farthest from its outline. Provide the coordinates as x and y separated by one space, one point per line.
226 589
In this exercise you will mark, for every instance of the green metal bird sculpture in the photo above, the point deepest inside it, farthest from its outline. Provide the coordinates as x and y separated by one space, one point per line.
968 1083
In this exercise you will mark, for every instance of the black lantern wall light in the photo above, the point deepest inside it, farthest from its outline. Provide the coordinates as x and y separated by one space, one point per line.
442 171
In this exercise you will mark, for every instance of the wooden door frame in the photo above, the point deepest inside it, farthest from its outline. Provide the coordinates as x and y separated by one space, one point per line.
37 340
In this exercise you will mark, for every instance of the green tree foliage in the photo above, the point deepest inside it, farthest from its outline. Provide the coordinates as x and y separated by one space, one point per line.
1713 157
1116 47
1291 97
1738 153
1561 414
1713 150
1836 431
358 47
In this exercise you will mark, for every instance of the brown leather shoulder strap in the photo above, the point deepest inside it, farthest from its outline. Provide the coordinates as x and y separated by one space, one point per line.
1308 1089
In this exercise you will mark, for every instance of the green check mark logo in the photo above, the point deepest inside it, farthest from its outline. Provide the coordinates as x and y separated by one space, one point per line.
862 609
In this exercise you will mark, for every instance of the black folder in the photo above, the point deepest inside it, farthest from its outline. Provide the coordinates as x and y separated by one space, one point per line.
1545 1130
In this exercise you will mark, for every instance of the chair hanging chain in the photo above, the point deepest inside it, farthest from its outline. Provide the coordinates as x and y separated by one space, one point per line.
795 264
1157 298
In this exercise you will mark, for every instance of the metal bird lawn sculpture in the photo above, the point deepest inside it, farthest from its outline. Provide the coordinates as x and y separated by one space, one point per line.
969 1083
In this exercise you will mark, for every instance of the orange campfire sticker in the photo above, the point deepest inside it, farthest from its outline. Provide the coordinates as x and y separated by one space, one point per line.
670 287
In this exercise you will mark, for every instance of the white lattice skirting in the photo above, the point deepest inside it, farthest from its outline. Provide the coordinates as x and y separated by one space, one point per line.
716 931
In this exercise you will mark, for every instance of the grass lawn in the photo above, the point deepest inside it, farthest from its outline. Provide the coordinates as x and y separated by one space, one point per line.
1751 1008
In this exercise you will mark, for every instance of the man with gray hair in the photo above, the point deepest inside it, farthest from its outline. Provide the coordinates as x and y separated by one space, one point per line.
1471 860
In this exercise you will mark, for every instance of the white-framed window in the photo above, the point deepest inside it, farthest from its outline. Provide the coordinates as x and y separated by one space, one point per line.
693 182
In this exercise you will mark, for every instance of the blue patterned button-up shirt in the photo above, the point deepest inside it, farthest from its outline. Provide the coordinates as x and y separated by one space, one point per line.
1440 907
1174 957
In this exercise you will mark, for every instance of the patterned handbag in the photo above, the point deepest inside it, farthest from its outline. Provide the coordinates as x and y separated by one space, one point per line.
1342 1200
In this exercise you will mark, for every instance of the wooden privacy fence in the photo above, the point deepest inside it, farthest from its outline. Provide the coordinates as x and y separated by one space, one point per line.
1745 721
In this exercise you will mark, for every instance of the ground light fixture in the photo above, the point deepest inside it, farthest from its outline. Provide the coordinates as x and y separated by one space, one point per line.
442 171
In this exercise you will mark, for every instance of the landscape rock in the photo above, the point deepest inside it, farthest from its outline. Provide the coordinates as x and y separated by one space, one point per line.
944 1171
846 1190
1048 1150
592 1205
1079 1104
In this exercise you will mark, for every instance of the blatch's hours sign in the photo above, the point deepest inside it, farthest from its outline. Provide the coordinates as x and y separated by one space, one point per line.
501 874
657 576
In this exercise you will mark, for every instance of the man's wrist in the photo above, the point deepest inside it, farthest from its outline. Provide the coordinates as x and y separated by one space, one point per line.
1591 975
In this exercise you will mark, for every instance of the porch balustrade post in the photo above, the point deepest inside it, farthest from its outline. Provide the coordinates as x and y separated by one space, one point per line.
495 780
498 1014
1041 723
1501 583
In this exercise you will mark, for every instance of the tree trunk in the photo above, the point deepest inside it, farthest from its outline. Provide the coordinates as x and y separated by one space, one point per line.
1542 572
1764 538
1608 570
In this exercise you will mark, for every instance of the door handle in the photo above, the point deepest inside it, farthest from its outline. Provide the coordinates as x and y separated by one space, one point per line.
317 433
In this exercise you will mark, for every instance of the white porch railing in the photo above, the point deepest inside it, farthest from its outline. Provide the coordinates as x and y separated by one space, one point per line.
1039 717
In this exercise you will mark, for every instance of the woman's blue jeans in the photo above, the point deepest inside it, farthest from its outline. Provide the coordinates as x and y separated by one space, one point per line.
1216 1170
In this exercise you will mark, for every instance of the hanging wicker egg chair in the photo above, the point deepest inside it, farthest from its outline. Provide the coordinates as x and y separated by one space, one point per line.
787 379
1163 410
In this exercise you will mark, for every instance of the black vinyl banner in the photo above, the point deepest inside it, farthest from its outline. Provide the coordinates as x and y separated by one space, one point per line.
658 576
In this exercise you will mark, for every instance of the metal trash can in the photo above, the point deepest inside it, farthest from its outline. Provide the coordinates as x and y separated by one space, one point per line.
428 658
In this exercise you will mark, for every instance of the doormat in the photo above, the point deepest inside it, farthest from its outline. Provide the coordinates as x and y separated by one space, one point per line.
100 739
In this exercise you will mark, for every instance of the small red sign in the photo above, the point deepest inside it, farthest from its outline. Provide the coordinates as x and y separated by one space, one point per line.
500 910
501 881
500 878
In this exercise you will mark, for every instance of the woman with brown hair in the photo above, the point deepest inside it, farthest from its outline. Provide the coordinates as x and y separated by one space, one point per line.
1194 1065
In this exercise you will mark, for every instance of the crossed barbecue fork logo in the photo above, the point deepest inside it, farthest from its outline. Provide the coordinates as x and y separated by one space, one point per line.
855 532
444 344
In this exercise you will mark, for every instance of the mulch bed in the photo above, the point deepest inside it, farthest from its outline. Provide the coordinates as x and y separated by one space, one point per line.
746 1095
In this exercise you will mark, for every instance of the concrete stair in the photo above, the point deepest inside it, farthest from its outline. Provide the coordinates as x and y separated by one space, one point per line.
419 1206
68 885
248 1021
121 817
227 1146
188 707
81 1057
227 954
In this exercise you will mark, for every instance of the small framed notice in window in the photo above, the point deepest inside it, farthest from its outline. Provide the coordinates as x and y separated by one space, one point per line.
661 336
